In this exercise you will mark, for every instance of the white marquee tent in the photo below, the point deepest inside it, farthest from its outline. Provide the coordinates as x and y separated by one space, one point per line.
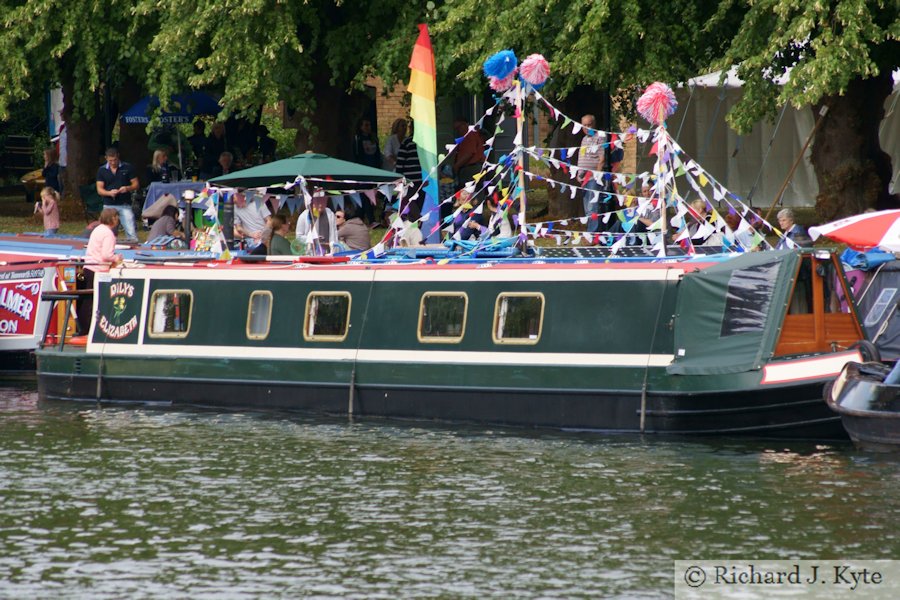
739 162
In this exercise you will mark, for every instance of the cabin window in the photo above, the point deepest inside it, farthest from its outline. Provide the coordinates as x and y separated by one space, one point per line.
836 297
170 313
747 299
518 318
442 317
327 316
259 315
802 297
882 303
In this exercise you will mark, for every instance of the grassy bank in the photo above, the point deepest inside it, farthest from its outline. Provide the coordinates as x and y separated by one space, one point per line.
17 216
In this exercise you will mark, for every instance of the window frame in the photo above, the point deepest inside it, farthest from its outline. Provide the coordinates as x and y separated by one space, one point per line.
326 338
442 340
152 312
253 294
518 341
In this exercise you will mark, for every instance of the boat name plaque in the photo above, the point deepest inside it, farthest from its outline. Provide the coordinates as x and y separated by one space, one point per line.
119 309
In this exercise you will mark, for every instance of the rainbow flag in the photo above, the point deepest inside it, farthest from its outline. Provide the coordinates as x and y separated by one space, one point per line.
422 87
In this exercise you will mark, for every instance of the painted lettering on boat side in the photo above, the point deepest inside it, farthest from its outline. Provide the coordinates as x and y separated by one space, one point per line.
121 288
119 325
18 306
117 332
9 326
16 302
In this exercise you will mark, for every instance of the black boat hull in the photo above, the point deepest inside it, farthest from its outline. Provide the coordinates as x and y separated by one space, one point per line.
869 408
794 412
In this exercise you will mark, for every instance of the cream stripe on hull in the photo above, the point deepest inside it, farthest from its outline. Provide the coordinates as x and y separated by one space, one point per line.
179 351
402 274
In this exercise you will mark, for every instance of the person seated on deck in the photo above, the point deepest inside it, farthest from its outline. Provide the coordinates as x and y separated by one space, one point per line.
251 217
411 234
486 223
461 227
700 214
100 254
316 227
276 241
794 234
166 224
352 232
646 218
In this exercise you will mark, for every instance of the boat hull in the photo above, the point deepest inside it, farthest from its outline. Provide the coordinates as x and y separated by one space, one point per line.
790 411
869 409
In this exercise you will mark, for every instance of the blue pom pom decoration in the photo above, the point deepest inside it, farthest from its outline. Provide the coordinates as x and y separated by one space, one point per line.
501 64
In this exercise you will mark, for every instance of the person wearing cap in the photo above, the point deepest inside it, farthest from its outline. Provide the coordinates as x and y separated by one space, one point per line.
316 226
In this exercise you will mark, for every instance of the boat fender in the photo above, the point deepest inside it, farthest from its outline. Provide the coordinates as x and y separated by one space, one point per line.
868 350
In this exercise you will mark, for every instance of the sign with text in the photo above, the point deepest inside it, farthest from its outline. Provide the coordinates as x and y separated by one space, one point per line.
119 310
20 293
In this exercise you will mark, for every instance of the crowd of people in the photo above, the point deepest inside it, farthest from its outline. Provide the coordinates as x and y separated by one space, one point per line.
324 228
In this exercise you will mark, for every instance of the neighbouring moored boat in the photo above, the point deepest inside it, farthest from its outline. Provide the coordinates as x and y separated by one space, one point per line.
712 345
869 407
23 317
30 267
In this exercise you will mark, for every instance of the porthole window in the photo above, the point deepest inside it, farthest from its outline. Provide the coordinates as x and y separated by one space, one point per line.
170 313
259 315
518 318
442 317
327 316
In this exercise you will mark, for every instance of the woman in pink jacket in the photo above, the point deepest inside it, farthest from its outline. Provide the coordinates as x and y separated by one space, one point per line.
100 255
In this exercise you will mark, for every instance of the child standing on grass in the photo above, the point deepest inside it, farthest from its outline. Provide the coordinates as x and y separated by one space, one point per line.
49 207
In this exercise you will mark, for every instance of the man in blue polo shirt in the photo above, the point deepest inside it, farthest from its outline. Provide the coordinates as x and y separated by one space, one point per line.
116 180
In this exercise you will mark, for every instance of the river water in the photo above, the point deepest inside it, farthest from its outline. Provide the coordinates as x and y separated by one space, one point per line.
107 502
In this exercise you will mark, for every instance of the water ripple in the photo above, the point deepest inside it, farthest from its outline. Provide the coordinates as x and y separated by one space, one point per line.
108 503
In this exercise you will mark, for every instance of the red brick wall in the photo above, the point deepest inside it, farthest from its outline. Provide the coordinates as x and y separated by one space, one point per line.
390 107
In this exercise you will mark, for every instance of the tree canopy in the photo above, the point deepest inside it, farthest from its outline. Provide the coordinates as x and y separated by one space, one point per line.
310 54
822 46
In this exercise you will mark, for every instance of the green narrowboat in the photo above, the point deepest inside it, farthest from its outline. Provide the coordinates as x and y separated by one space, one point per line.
719 345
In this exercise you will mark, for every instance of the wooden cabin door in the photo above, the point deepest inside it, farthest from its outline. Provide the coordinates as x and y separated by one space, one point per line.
820 317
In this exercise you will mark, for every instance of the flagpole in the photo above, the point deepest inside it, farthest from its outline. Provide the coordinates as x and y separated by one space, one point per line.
520 121
660 187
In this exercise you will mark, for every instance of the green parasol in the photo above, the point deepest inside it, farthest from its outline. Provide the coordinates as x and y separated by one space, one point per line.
314 166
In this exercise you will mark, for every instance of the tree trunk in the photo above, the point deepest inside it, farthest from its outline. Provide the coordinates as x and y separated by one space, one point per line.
335 116
852 170
85 147
583 100
133 138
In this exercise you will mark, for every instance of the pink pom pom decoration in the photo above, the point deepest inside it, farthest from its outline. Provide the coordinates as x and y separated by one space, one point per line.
501 85
534 70
657 103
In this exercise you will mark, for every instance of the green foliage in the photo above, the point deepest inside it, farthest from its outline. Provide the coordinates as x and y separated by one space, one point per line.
609 44
86 42
825 43
260 51
250 50
257 52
